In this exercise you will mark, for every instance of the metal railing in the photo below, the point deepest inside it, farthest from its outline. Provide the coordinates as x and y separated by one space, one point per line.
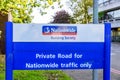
115 20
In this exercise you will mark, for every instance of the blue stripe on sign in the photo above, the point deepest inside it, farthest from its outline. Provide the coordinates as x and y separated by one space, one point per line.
31 55
58 46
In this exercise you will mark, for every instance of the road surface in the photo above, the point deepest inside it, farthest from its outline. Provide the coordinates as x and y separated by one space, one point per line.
115 67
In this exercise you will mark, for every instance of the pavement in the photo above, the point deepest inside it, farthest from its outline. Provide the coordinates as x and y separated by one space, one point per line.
115 67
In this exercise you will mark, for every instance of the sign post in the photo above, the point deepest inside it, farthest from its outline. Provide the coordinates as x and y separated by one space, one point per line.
95 21
57 46
106 70
9 51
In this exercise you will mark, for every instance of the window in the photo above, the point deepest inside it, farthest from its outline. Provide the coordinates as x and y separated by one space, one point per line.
114 14
117 13
111 14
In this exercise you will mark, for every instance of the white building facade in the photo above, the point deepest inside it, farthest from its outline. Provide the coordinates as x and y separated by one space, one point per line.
109 11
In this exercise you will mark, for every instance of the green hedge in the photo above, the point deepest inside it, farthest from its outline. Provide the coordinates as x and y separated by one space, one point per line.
35 74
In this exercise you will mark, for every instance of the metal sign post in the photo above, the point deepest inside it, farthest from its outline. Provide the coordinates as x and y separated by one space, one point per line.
95 21
95 11
106 70
9 51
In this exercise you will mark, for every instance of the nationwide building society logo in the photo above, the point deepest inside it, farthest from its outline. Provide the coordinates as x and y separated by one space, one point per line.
59 30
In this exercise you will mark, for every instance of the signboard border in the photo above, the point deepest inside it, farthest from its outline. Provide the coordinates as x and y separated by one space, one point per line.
9 51
106 70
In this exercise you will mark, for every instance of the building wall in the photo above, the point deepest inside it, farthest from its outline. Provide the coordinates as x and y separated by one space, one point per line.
107 5
109 11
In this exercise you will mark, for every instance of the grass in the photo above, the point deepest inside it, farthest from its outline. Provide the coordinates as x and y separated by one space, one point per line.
40 75
34 74
2 67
